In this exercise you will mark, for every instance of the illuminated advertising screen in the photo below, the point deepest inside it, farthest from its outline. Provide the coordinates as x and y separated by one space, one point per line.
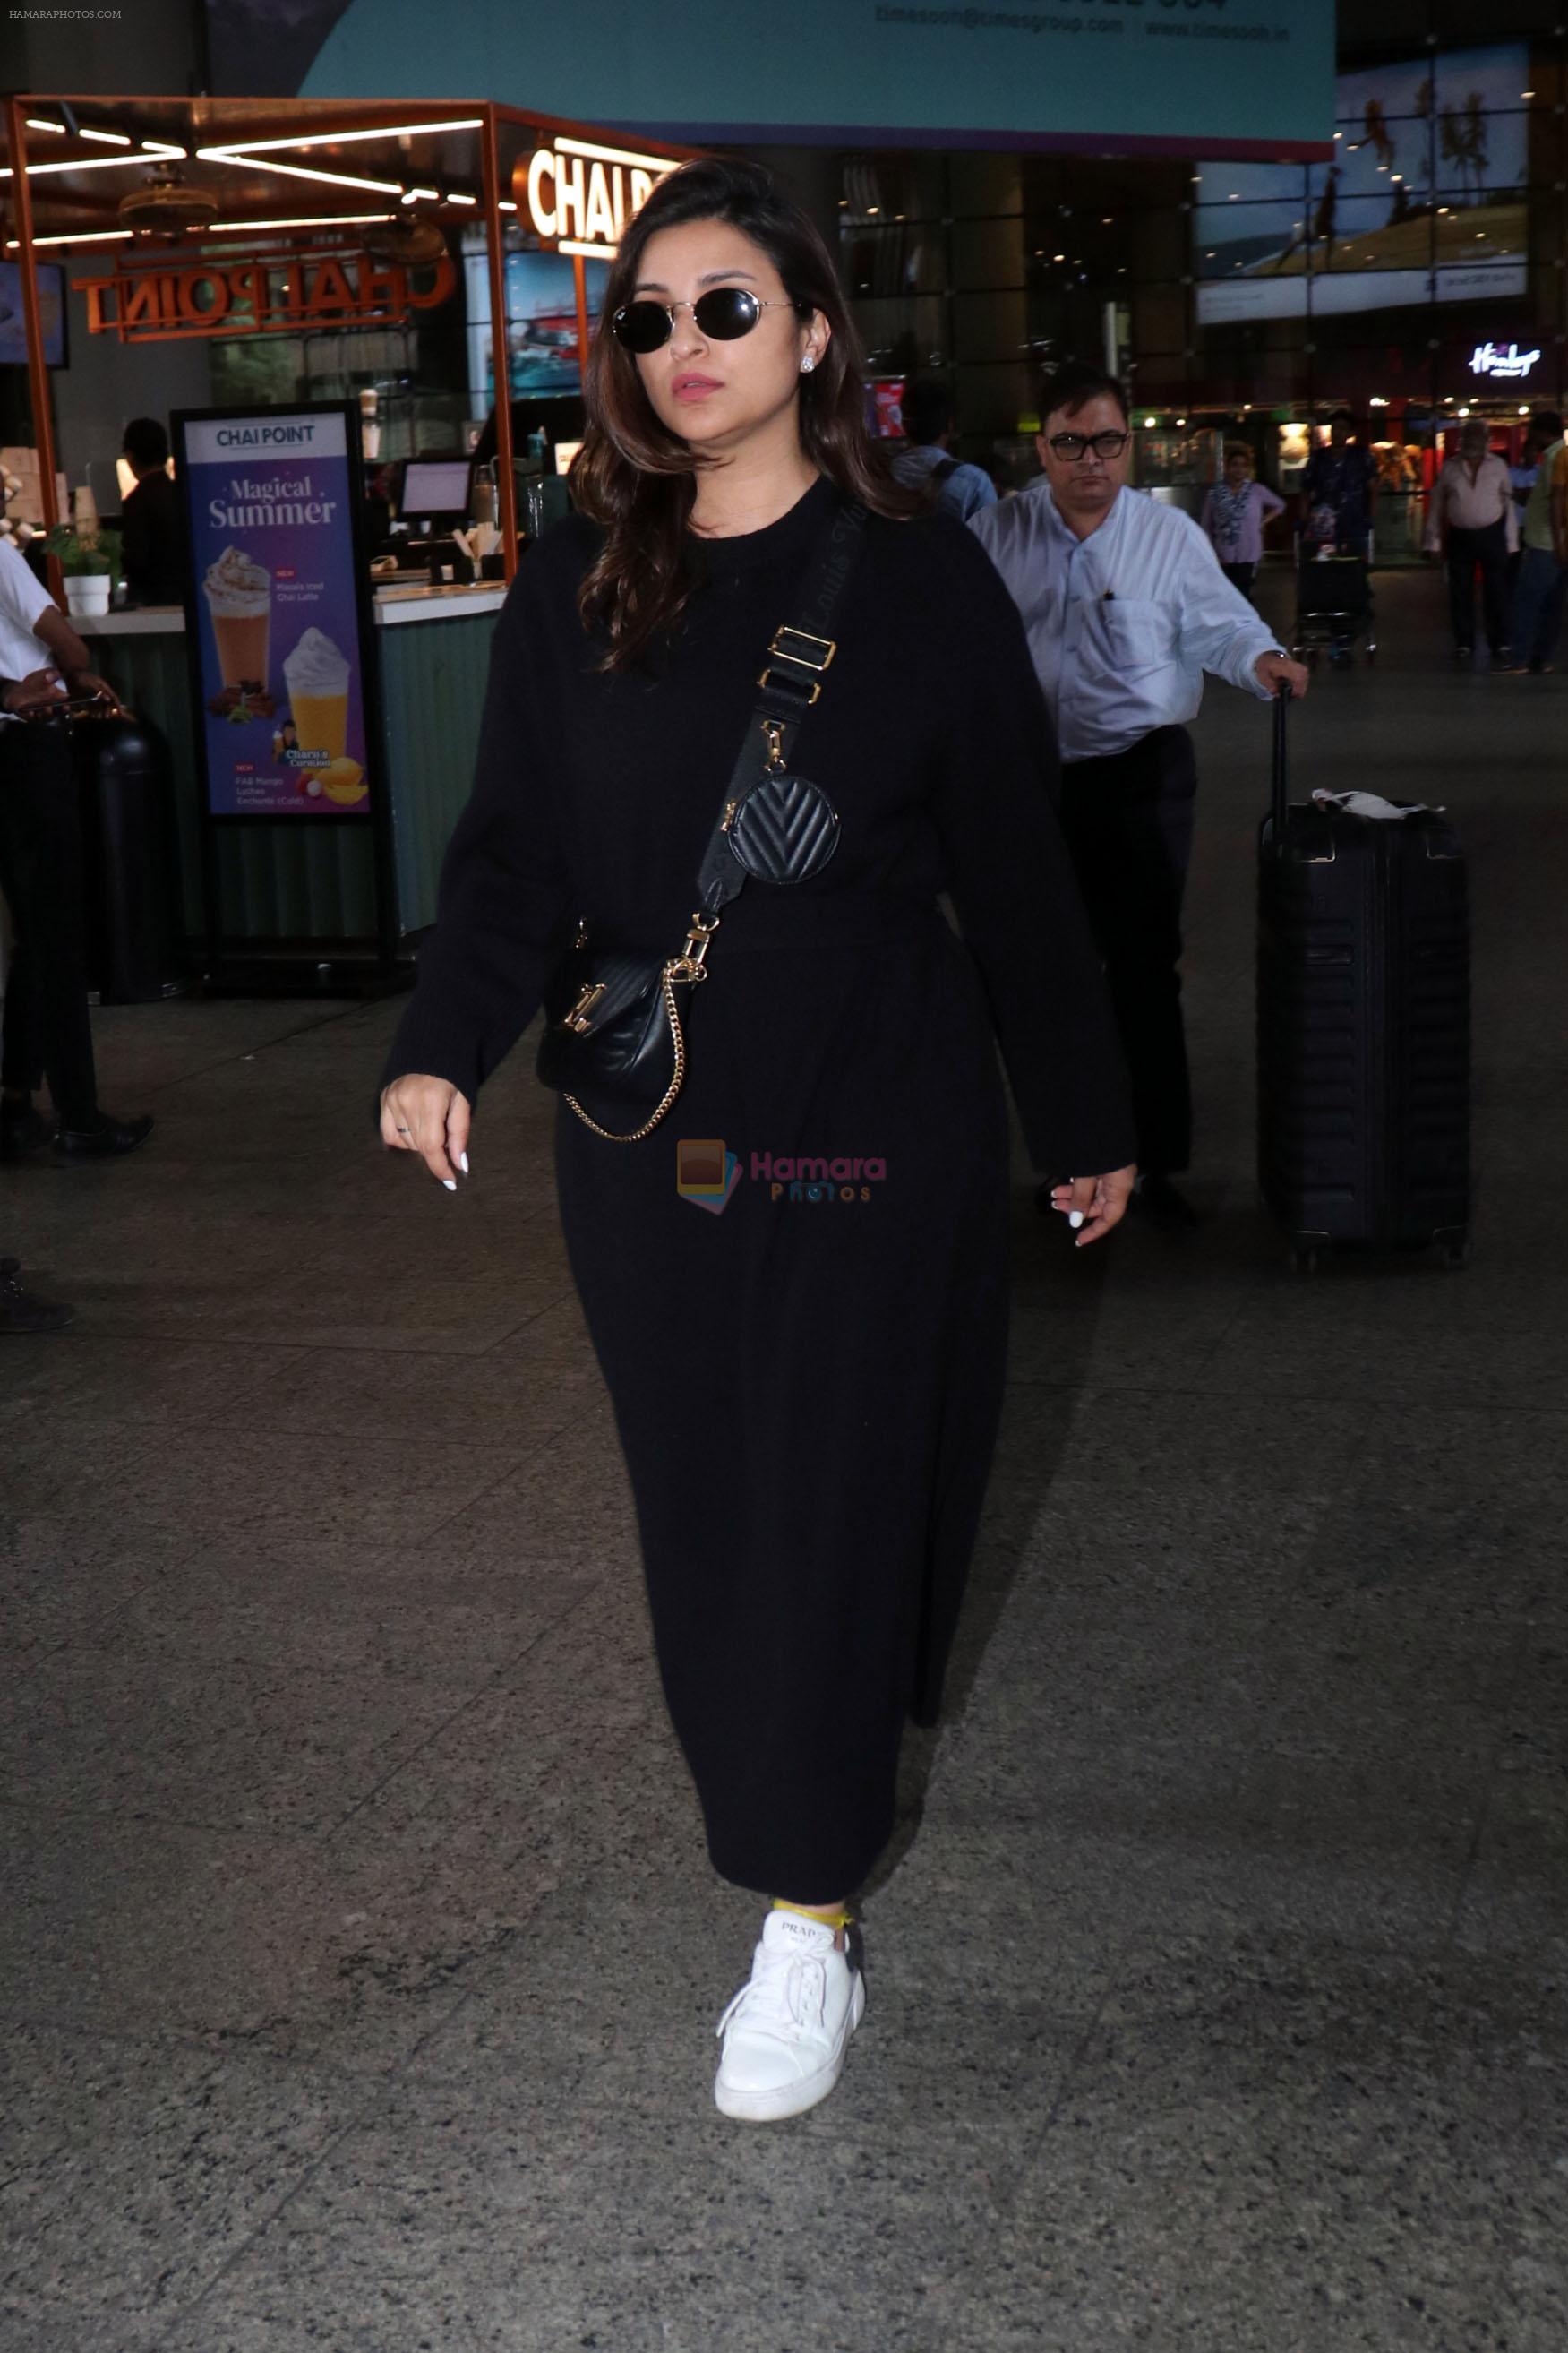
542 358
1424 201
275 607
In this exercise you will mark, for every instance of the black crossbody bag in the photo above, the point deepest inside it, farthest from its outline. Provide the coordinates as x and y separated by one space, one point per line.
615 1040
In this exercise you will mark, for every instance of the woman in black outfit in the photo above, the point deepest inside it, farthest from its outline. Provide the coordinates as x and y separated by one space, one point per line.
806 1383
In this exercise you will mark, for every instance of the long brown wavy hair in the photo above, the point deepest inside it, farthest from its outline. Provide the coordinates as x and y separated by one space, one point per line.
638 479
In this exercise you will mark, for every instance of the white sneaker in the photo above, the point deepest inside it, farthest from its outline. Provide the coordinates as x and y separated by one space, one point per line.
786 2030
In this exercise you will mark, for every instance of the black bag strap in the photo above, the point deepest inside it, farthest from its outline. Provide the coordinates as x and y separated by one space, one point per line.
944 469
798 658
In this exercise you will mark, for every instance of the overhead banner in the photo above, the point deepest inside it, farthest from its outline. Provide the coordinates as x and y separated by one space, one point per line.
1238 77
276 609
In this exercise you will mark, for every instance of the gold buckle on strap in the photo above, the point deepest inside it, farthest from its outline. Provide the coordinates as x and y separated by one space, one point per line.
795 647
766 680
804 637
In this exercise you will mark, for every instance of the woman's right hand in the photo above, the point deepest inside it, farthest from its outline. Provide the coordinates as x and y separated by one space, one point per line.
429 1117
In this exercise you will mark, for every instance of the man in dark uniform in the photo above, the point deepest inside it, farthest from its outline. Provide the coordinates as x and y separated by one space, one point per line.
153 546
47 1030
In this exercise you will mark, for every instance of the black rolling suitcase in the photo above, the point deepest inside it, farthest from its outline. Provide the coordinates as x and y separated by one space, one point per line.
1363 1027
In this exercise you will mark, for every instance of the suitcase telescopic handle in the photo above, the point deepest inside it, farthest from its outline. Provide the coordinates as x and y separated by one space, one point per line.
1281 798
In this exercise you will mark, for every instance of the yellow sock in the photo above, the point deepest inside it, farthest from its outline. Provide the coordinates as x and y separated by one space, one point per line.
834 1920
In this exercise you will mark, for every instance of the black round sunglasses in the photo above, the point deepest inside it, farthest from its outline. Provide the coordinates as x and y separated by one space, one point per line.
723 315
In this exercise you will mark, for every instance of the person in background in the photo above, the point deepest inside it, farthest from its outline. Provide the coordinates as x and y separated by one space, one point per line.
1125 608
48 1029
1543 577
1474 526
1234 512
927 421
152 544
1336 492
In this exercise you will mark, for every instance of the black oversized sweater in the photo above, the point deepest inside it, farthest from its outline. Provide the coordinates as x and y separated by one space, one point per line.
594 792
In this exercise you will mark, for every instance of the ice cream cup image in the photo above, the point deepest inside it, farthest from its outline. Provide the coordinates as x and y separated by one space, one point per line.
239 598
317 677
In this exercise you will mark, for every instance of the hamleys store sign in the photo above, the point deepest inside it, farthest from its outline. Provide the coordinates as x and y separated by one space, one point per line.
1491 358
284 294
579 197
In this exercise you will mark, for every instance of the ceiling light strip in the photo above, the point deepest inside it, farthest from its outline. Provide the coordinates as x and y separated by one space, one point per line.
611 155
81 164
243 148
78 237
307 220
302 172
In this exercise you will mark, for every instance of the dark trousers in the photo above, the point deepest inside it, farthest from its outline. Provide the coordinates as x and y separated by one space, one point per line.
1536 621
47 1031
1487 550
1129 825
1240 575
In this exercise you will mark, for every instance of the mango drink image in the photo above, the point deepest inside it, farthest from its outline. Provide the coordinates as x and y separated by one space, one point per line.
317 677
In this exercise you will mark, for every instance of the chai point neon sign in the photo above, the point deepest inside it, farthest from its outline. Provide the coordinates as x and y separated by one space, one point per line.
1491 359
579 197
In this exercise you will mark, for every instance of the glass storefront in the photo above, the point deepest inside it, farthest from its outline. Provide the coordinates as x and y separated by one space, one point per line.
1414 276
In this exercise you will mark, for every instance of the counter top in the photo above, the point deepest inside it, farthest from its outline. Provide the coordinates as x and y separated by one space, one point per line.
396 604
392 606
139 621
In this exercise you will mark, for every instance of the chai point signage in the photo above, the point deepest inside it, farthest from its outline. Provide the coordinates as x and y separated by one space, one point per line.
579 197
289 292
1511 365
276 611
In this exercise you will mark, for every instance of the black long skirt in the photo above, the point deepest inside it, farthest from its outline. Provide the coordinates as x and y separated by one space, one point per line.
805 1348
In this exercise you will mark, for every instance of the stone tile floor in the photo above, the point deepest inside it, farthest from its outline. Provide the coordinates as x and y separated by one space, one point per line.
359 1961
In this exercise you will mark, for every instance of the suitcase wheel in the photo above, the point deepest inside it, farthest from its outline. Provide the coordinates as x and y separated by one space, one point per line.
1454 1251
1303 1258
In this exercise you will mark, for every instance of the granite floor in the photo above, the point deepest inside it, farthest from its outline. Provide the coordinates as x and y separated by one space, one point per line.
360 1962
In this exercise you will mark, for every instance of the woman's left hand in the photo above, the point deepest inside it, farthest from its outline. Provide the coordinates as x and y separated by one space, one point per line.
1101 1201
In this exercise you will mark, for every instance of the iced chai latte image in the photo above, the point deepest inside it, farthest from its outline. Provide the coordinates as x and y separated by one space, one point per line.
317 677
240 599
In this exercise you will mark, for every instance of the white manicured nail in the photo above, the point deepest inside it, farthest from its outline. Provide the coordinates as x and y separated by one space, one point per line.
450 1183
463 1162
1075 1219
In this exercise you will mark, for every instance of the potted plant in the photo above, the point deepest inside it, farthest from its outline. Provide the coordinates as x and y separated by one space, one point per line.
90 563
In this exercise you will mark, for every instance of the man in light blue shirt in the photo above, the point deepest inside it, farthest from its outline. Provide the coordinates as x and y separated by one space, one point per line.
928 420
1125 608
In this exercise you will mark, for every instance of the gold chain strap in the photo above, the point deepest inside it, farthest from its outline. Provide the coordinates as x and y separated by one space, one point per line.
635 1134
689 965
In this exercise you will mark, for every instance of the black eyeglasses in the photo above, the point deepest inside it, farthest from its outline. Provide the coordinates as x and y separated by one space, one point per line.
723 315
1074 446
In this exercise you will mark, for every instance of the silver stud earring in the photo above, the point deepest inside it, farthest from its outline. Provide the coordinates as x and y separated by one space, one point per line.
807 365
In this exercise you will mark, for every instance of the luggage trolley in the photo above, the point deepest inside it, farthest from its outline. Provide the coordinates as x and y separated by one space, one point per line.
1334 606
